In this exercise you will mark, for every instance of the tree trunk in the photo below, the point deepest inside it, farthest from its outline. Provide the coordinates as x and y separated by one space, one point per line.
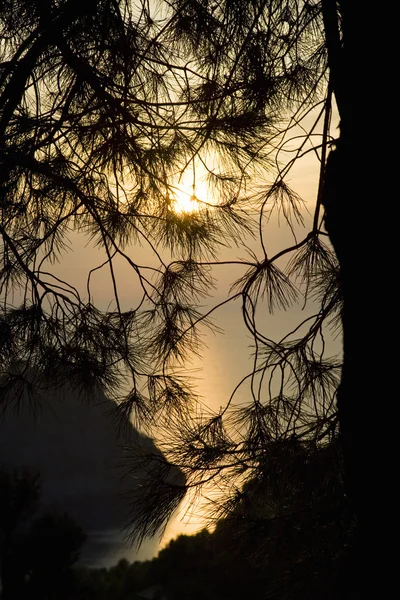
358 221
342 224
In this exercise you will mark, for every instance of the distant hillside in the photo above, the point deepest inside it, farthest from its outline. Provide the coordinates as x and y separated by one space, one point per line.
76 451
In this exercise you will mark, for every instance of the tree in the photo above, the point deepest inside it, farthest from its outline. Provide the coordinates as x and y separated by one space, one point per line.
53 546
19 494
288 537
104 105
37 550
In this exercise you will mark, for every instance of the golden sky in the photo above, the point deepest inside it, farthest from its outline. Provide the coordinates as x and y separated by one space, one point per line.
226 358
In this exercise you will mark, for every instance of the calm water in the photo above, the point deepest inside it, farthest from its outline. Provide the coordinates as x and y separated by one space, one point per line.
226 359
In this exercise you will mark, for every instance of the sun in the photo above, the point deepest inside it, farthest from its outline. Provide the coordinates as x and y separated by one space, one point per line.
190 194
184 203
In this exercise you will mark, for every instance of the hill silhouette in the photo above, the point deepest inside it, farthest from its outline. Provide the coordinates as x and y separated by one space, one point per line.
77 452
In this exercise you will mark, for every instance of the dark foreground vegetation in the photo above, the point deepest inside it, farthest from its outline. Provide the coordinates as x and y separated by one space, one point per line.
291 536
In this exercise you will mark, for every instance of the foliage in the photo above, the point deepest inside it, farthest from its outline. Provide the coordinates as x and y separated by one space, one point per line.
120 582
20 492
103 106
37 550
288 536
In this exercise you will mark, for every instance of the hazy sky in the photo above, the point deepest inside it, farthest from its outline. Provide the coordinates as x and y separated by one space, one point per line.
226 357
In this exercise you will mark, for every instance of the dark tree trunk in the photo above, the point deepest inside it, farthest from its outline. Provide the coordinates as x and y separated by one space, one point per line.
342 223
361 228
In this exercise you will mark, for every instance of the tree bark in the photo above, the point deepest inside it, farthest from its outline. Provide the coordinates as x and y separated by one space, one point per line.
342 224
360 221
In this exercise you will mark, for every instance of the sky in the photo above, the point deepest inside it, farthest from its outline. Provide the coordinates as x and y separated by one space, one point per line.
226 357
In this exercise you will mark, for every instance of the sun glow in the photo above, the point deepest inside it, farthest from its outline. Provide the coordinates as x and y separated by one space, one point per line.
190 194
185 203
